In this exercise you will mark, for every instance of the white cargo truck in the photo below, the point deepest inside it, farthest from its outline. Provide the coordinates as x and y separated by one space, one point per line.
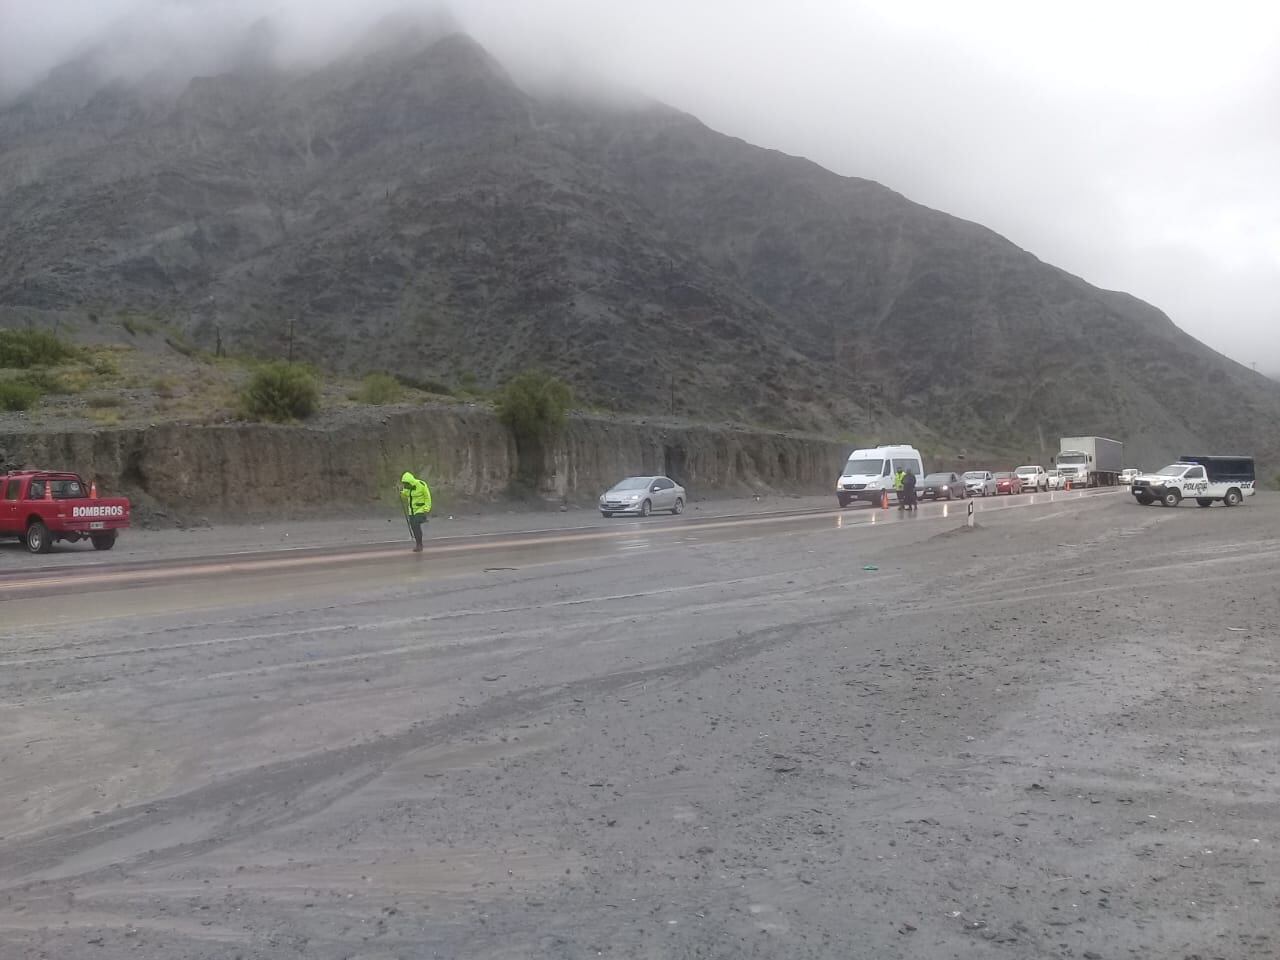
1090 461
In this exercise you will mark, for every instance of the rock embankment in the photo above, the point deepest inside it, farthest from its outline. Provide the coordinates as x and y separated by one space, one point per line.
242 469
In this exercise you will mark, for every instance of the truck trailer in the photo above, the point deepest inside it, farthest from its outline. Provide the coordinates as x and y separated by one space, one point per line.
1090 461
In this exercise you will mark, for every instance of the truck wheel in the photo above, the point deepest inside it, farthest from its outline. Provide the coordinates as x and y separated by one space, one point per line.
1203 502
842 499
1145 499
103 541
646 508
39 539
1171 499
606 514
1233 498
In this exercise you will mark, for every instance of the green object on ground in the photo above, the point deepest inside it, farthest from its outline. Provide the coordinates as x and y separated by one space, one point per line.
870 566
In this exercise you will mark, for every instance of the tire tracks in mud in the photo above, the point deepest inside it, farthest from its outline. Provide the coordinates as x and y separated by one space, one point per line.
269 796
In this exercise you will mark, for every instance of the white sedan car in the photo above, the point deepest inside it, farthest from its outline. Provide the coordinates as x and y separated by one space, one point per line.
640 496
1033 477
980 483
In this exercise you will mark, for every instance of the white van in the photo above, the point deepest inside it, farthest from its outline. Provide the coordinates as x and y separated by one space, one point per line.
869 472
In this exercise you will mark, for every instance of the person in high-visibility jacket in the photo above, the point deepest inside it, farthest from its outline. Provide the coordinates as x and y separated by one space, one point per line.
899 478
415 495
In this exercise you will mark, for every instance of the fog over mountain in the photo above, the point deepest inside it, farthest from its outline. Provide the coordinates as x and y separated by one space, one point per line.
1132 145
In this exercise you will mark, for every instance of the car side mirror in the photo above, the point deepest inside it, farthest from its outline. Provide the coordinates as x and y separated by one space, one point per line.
655 488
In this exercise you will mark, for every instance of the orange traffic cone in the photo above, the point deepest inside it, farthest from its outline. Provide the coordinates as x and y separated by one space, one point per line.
884 499
93 490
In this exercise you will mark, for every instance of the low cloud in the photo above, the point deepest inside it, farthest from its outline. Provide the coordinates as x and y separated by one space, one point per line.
1134 145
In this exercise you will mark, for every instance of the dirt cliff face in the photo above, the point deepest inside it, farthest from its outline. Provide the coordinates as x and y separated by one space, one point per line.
243 471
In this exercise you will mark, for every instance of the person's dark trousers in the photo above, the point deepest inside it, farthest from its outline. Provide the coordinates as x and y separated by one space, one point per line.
415 523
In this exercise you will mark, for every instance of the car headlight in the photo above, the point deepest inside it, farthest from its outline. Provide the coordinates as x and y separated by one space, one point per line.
634 496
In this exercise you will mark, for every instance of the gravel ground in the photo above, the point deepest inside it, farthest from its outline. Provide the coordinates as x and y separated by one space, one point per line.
1054 736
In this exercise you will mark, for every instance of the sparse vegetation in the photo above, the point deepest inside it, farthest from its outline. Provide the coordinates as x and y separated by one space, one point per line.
165 387
379 389
104 365
281 392
43 381
426 386
100 401
533 406
135 324
16 396
23 349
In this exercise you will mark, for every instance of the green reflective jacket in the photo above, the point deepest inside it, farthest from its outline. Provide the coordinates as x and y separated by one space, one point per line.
416 496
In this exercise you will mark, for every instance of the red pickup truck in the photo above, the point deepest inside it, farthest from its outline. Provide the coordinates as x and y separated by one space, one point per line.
40 507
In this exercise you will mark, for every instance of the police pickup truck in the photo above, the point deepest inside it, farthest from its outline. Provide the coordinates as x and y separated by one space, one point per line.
1204 479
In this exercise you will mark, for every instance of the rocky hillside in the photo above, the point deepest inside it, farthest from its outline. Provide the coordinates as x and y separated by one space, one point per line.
415 211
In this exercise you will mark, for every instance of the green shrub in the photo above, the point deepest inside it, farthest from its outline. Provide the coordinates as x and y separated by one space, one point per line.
379 388
104 365
281 392
43 381
100 401
533 406
15 396
22 349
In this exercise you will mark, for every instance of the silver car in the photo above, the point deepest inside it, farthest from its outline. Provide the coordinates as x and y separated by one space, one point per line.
980 483
643 495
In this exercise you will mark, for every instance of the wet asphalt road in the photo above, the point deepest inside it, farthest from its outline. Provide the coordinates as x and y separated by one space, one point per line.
1054 735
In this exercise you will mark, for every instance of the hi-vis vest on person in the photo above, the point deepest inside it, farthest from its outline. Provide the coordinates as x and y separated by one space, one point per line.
417 496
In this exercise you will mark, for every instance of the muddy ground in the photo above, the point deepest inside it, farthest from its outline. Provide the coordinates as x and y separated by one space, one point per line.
1055 736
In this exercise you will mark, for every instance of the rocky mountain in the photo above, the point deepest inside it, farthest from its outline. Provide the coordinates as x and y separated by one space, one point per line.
415 211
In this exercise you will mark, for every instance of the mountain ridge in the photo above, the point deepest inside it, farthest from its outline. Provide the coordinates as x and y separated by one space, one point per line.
419 212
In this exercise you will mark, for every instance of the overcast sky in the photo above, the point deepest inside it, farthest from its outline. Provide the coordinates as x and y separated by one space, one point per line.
1134 143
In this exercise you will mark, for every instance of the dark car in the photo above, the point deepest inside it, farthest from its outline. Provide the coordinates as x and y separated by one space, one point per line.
941 486
1008 483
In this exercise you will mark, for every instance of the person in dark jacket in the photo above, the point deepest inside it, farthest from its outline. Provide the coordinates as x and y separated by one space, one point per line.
909 490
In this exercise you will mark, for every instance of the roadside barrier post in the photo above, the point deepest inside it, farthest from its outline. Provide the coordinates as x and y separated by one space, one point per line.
969 520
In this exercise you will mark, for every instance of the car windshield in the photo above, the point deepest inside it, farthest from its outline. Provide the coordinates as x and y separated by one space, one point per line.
1052 473
1027 470
938 477
863 468
1003 476
1172 470
634 483
975 475
1072 458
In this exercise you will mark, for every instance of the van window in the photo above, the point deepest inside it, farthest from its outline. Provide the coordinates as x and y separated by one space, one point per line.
11 491
909 466
861 468
36 490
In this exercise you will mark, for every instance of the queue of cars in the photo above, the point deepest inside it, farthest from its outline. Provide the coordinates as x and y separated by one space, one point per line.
871 475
